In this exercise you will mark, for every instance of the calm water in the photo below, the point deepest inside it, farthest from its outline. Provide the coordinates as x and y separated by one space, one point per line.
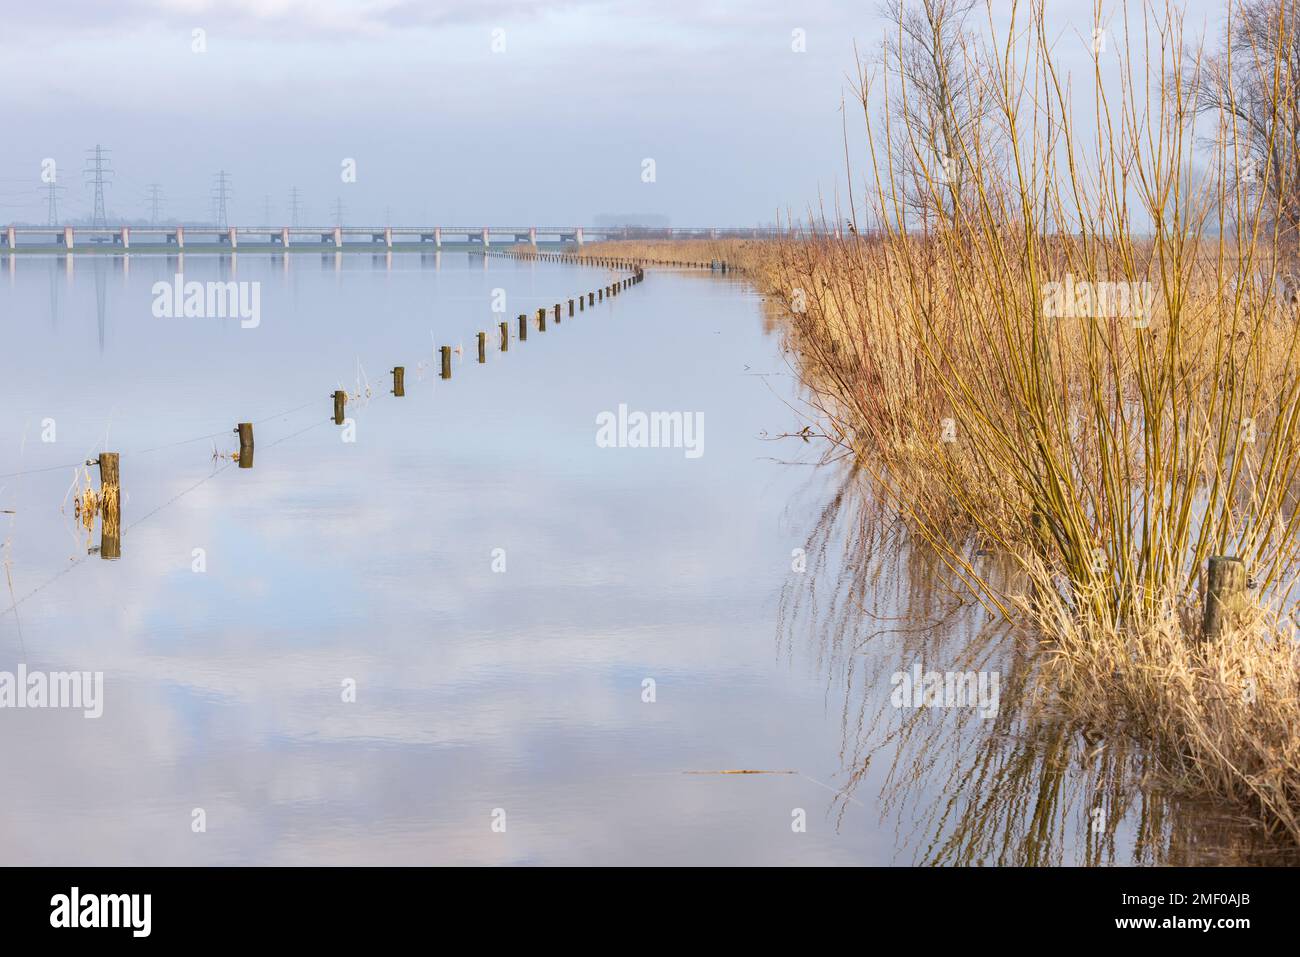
480 690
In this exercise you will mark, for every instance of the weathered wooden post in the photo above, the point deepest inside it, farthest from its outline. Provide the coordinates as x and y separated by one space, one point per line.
541 320
1225 593
582 303
523 327
245 430
109 475
446 362
591 298
505 336
340 400
600 294
557 313
570 308
482 347
110 503
399 381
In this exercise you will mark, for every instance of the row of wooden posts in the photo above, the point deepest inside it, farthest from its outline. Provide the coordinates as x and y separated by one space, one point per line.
584 300
1226 581
109 462
614 262
1225 577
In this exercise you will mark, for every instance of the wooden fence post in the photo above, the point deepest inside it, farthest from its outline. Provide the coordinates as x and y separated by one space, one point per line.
1225 593
245 430
110 503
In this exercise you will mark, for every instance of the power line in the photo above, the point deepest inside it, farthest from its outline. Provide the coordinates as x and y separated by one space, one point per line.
52 203
155 202
221 197
99 166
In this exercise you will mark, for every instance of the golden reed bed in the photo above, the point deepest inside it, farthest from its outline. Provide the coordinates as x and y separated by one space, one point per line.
1082 357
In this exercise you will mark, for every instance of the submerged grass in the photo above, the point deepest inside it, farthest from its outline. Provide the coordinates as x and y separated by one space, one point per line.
89 503
967 355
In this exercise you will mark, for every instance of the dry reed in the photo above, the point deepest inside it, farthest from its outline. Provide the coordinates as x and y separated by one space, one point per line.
1107 455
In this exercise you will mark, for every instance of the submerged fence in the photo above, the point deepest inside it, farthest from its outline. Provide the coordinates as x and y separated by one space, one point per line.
105 502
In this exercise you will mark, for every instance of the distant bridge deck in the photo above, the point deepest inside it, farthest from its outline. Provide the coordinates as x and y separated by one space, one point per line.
177 236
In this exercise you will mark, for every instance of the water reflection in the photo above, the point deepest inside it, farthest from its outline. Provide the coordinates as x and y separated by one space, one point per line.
54 287
244 597
101 267
1027 786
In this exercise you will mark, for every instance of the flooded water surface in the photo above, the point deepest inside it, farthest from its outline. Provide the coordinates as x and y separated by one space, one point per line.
476 624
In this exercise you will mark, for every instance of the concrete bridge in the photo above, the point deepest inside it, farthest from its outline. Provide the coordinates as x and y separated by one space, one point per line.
336 237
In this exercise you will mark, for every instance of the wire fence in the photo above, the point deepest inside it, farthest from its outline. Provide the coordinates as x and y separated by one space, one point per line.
635 273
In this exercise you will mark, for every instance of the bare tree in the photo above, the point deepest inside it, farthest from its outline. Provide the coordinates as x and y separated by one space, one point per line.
934 110
1254 84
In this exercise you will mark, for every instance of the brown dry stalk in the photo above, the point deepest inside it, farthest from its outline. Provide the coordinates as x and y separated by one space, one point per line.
967 356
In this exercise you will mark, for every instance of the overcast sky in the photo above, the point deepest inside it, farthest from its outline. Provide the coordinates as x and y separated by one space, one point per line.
554 128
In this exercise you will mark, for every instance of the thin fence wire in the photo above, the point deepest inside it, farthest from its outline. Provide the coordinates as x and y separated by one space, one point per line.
611 262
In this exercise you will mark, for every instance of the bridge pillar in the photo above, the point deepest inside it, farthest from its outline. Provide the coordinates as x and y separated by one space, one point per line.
232 237
11 237
485 238
284 236
123 237
532 236
67 237
338 237
388 237
437 237
578 237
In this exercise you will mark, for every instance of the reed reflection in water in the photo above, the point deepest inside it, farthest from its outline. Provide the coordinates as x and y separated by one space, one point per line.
1026 786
